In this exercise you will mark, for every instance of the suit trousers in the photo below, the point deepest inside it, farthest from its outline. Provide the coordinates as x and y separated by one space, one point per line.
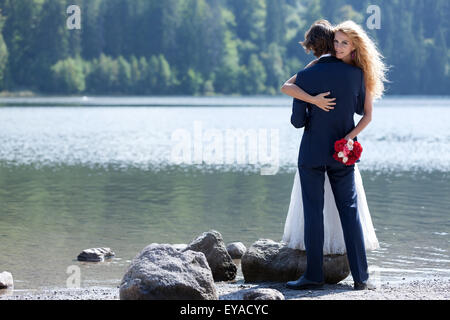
342 180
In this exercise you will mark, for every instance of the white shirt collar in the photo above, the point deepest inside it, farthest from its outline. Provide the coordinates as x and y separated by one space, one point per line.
325 55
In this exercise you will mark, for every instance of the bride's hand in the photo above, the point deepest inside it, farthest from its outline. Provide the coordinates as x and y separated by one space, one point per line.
324 103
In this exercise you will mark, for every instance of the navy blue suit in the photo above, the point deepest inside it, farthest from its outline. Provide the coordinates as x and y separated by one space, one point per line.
346 84
322 129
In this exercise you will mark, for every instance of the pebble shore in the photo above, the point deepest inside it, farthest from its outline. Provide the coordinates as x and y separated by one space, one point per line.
429 289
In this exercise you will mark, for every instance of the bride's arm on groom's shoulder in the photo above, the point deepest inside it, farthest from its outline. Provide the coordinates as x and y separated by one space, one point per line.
291 88
365 120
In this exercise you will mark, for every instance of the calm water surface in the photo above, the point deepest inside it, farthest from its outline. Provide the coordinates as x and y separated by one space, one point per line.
77 173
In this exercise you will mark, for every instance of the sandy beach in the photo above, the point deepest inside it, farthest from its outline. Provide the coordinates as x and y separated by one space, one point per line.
429 289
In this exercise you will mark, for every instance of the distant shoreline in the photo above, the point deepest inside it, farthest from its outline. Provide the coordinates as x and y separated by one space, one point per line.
30 94
17 94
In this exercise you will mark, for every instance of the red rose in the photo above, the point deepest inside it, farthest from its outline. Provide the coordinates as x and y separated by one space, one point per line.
339 145
357 149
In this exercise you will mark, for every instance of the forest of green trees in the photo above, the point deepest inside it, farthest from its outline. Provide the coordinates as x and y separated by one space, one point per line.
206 47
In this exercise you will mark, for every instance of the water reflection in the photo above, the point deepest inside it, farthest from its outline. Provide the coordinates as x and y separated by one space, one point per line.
48 216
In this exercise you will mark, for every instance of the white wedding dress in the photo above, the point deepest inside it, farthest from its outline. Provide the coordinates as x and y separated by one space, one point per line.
333 236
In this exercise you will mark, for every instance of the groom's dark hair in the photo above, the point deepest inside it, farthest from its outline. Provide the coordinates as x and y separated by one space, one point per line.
319 38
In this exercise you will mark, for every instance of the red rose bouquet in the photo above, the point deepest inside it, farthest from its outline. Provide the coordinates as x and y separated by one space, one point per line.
347 152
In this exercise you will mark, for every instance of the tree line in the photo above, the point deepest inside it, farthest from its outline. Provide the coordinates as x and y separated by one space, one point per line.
206 47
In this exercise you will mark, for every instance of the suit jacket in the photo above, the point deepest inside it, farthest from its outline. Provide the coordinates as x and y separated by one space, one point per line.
322 129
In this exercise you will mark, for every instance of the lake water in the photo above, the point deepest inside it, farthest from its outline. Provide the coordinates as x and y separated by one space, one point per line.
77 173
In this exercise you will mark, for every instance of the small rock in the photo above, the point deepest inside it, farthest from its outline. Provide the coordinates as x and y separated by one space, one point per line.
236 250
95 254
212 246
6 280
263 294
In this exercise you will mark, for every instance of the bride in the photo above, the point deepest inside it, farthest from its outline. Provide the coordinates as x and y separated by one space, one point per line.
333 236
353 46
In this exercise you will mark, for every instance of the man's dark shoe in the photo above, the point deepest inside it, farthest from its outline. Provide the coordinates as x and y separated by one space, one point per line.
360 285
303 283
365 285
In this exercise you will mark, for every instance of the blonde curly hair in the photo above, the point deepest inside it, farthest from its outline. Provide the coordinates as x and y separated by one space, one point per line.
367 57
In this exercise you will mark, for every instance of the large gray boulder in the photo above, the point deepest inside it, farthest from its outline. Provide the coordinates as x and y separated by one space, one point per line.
6 280
211 244
267 260
180 246
162 272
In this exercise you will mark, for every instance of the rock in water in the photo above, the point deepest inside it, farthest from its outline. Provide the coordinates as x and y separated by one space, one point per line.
236 250
162 272
267 260
6 280
95 254
211 244
263 294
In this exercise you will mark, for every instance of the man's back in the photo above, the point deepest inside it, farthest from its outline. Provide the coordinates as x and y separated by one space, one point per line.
345 83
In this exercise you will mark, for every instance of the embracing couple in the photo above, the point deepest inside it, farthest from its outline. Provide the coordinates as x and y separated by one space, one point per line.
328 212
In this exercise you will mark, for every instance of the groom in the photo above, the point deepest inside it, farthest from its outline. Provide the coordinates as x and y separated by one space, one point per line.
322 129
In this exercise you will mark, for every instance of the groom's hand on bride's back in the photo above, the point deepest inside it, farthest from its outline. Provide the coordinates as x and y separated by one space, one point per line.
324 103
